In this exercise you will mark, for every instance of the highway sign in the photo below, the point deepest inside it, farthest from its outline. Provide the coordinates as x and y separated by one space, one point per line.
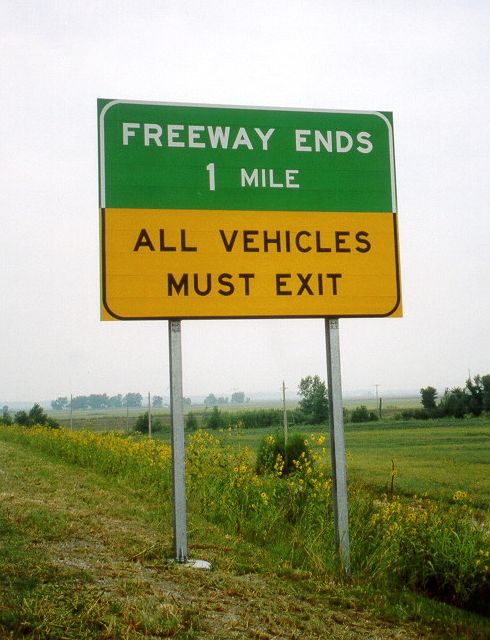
221 212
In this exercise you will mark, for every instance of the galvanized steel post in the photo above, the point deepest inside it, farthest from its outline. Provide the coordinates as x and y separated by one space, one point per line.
337 446
178 451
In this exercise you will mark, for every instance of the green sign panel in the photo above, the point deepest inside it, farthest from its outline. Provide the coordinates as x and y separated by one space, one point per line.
200 157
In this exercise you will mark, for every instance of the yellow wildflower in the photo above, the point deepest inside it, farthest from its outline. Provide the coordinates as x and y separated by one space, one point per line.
460 495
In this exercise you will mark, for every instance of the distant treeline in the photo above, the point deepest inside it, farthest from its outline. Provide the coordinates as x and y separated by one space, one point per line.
238 397
98 401
132 400
472 399
103 401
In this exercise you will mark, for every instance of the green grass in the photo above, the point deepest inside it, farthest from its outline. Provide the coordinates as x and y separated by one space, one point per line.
99 527
105 575
439 457
69 546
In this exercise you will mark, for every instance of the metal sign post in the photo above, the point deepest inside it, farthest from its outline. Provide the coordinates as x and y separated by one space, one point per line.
177 426
337 446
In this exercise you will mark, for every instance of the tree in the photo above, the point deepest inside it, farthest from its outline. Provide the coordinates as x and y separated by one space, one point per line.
485 380
211 400
362 414
191 422
98 401
143 424
475 399
6 417
157 401
428 397
60 403
238 397
453 402
314 399
80 402
214 419
36 416
133 400
22 418
116 401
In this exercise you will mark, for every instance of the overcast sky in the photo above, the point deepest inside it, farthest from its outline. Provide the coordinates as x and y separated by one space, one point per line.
426 61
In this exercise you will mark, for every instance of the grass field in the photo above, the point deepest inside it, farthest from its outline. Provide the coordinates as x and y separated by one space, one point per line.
86 536
438 457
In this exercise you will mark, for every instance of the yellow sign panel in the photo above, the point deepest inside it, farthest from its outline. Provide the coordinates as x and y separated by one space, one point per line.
167 263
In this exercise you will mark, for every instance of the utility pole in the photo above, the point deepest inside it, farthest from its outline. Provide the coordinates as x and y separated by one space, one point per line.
149 414
378 408
285 414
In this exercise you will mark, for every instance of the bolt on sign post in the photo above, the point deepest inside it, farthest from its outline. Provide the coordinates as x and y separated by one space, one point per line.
237 212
